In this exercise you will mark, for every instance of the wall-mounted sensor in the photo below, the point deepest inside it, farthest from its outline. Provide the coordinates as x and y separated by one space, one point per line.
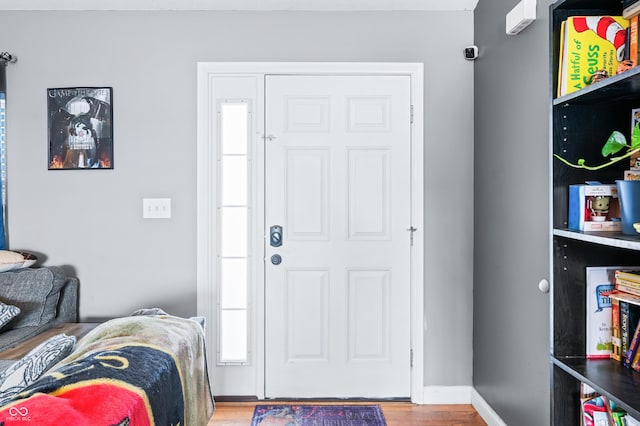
471 53
521 16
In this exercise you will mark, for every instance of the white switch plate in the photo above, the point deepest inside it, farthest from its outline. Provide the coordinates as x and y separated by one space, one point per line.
156 208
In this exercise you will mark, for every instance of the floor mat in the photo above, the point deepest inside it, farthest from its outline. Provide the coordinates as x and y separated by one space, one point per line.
318 415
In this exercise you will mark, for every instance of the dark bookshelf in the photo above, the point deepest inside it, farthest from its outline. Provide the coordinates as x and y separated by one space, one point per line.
580 123
607 377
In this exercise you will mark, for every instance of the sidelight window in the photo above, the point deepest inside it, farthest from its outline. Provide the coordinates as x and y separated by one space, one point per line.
234 214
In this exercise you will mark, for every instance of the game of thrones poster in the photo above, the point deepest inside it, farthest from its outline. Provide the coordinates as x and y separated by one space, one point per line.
80 128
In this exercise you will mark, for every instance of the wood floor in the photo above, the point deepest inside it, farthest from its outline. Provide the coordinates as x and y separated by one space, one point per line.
395 413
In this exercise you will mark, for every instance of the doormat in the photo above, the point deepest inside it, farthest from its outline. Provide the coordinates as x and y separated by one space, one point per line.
318 415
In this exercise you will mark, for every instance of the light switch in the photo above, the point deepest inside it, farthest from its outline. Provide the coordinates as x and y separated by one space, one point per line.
156 208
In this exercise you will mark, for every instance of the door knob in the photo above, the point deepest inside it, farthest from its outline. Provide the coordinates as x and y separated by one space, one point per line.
544 286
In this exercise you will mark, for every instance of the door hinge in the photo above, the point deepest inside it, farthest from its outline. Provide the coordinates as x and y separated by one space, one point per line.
411 115
268 138
411 230
411 358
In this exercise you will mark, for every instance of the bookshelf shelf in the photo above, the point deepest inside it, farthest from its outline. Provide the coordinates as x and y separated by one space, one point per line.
580 122
610 239
613 89
607 377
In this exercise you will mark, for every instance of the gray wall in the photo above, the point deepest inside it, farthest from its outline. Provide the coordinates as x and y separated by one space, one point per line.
511 255
91 221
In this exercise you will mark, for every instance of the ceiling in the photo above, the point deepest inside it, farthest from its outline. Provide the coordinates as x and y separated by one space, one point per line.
319 5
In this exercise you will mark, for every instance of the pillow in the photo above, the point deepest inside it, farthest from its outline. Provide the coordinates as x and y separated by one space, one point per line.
34 291
149 311
29 259
200 320
7 313
40 359
10 260
8 256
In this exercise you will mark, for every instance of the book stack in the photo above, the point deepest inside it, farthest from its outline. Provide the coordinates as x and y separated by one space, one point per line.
589 46
625 318
631 11
630 8
598 410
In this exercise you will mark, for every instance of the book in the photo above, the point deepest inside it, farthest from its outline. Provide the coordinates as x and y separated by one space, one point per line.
630 421
627 289
599 286
598 410
590 44
633 39
616 341
628 274
635 363
629 316
633 347
561 65
616 414
627 41
587 391
625 327
594 411
627 283
630 8
632 174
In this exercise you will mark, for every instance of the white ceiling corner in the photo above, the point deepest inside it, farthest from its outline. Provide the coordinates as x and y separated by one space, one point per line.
264 5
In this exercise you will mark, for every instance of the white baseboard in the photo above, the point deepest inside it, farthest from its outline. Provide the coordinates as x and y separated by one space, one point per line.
485 410
447 395
462 395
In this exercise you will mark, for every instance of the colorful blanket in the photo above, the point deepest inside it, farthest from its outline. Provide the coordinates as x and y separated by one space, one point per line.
135 371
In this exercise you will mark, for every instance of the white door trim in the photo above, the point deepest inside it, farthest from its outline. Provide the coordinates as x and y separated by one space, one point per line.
206 171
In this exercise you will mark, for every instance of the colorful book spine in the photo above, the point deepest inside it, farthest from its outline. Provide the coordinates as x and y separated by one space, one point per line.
616 342
635 363
628 275
628 289
628 283
633 39
629 307
562 67
633 348
624 327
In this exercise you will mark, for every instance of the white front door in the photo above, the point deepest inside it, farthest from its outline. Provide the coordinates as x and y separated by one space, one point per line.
337 289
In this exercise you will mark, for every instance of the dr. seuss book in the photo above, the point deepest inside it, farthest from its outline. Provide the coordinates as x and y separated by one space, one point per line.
590 44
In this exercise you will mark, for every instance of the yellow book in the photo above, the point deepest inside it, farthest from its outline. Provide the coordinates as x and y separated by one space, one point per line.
561 67
591 43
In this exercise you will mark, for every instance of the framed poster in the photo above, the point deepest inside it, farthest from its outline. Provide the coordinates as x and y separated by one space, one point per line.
80 128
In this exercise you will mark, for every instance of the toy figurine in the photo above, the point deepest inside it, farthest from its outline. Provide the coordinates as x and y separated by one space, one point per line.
599 207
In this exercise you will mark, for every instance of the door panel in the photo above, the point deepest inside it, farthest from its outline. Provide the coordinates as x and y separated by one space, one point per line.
337 179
